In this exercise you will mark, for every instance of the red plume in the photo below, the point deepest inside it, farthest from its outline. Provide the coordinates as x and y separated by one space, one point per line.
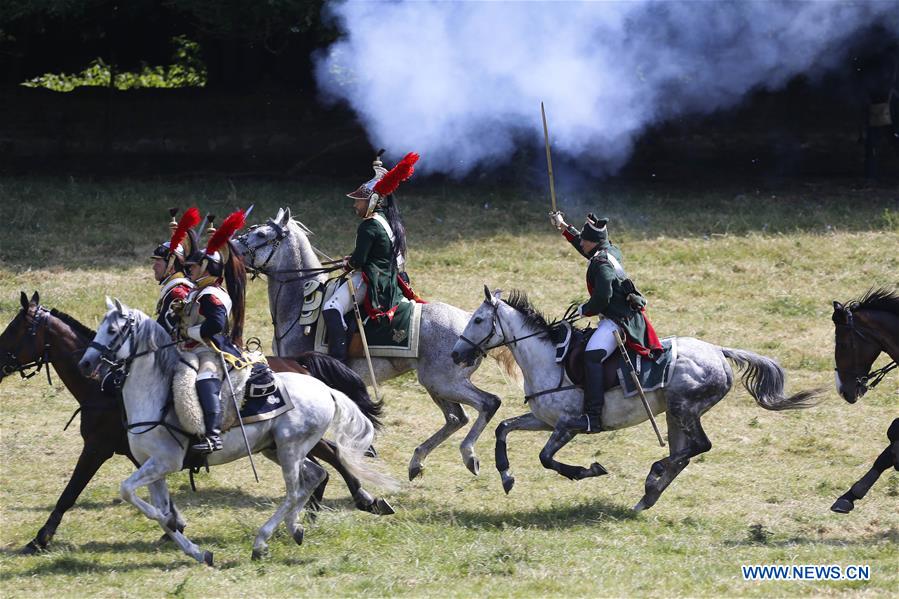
402 171
229 227
189 220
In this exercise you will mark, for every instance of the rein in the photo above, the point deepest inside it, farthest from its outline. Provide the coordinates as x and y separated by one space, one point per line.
872 376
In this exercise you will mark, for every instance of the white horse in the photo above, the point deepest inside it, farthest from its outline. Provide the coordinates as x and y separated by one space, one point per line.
281 250
700 379
128 339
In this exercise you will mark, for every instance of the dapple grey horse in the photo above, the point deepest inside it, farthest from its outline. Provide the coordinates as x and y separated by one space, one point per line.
130 340
701 378
281 250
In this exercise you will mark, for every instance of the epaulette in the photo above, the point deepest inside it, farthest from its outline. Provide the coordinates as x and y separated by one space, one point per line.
600 257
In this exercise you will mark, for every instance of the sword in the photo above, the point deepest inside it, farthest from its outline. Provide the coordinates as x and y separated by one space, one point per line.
549 159
371 368
239 419
636 380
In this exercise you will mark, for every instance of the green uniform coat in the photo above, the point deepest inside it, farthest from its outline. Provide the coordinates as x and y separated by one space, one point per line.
373 255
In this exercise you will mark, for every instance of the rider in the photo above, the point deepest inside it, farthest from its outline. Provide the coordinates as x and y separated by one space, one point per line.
614 296
168 268
379 257
212 319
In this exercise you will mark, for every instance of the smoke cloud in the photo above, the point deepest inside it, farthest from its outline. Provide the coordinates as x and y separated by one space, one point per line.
461 82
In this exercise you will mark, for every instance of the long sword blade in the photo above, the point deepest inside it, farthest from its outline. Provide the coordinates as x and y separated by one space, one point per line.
549 159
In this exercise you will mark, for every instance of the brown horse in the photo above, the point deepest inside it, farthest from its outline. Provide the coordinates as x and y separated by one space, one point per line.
864 329
37 337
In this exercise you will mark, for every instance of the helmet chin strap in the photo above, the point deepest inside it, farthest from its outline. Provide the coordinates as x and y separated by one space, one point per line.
373 203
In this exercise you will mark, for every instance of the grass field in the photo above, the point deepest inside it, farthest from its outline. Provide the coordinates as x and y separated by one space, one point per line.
738 265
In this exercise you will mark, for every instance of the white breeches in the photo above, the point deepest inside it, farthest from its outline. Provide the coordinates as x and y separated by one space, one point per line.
604 337
210 366
341 300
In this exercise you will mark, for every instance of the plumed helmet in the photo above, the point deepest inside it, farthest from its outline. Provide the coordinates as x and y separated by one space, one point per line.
595 229
216 251
384 182
179 230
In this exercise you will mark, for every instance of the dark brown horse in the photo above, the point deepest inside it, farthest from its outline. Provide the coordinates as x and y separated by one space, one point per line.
864 329
37 338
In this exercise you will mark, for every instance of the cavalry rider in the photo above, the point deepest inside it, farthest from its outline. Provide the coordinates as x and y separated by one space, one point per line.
168 269
212 319
379 257
614 296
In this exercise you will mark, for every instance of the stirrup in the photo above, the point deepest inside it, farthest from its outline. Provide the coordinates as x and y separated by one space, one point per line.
208 444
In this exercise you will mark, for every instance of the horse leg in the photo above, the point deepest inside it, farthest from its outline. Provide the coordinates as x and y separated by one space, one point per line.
150 472
888 457
557 440
455 419
327 451
525 422
93 455
311 477
162 499
686 439
292 457
486 405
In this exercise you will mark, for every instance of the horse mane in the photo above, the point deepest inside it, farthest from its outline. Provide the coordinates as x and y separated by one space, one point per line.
153 335
79 328
882 299
535 318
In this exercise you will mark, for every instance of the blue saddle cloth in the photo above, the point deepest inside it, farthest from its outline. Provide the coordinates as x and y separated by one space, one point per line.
652 374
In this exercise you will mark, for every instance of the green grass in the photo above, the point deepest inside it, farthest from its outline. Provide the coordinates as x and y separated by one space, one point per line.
742 267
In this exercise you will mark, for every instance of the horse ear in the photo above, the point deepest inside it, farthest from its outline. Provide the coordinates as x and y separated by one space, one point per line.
487 295
286 217
278 216
838 307
24 300
109 304
498 295
36 298
118 306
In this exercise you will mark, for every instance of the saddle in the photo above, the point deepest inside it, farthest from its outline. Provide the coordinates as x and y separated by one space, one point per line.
570 352
256 389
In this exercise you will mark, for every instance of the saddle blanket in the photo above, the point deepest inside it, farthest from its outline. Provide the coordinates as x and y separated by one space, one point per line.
397 339
651 374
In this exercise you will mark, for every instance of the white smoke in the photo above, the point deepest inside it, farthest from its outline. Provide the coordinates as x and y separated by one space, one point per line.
461 82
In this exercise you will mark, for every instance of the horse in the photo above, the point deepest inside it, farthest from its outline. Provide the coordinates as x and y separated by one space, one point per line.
701 377
864 329
280 250
38 337
139 348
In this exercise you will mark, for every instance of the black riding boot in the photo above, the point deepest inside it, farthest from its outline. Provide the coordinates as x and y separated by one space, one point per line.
336 334
208 392
594 394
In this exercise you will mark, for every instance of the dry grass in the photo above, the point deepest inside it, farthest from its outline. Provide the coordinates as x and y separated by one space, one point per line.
736 267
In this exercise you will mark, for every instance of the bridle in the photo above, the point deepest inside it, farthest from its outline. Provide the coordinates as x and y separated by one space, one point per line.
12 364
865 380
274 243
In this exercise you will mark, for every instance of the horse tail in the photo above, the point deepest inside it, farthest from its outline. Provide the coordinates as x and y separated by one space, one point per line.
353 434
337 375
764 379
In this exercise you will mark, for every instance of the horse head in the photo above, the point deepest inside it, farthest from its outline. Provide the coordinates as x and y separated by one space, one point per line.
482 332
854 351
23 342
113 343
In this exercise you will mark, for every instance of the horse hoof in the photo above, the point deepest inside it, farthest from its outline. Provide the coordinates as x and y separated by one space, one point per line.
842 506
508 483
259 553
32 548
640 506
645 504
414 472
165 538
473 464
298 535
381 507
207 558
596 469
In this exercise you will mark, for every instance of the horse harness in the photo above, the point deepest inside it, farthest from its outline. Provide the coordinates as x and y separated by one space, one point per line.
482 352
874 376
12 364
